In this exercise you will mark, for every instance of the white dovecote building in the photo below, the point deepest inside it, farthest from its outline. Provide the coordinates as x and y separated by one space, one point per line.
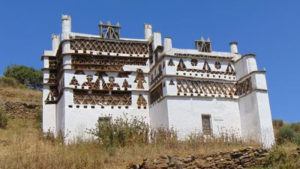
87 77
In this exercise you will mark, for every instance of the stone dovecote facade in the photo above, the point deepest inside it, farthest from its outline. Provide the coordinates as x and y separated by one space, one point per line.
199 90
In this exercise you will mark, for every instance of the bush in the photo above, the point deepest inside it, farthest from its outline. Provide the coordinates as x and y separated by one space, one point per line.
285 133
163 135
297 140
10 81
121 132
296 127
279 158
25 75
277 123
3 119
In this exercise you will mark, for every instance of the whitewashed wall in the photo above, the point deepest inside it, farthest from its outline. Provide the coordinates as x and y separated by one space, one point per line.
78 121
248 116
60 116
49 113
159 115
185 115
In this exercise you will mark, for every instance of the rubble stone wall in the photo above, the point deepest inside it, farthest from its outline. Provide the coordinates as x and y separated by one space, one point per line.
236 159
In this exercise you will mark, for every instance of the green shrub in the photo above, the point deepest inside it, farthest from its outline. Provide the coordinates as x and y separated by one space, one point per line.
297 139
120 132
278 158
296 127
3 119
285 133
277 123
25 75
10 81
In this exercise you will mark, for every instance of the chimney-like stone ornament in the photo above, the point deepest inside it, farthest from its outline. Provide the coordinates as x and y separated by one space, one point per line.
66 26
55 42
167 43
156 40
234 47
148 31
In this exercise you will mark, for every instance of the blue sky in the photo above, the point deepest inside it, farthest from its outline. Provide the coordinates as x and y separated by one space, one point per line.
268 28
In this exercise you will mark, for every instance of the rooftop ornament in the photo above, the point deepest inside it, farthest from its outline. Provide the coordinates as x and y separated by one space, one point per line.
202 45
108 31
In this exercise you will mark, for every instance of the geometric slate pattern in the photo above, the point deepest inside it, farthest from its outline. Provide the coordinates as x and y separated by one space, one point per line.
213 88
205 87
101 98
126 47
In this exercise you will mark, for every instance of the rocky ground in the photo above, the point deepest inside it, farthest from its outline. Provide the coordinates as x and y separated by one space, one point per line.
236 159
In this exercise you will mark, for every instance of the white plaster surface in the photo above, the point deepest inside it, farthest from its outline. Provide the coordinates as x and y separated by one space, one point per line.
184 115
248 116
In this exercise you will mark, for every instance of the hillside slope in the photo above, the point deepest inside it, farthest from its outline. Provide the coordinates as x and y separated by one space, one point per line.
22 102
23 145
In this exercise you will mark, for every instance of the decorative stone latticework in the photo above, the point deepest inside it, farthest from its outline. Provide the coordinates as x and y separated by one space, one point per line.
101 98
52 96
140 79
87 77
121 46
141 102
206 88
74 82
126 85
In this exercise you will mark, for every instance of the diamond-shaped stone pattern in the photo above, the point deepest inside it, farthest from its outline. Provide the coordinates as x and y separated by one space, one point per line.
213 88
126 47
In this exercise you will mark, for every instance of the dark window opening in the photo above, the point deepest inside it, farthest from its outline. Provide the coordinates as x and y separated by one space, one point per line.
206 125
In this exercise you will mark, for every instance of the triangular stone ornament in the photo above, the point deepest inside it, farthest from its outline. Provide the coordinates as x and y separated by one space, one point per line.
170 63
206 67
229 69
181 65
171 82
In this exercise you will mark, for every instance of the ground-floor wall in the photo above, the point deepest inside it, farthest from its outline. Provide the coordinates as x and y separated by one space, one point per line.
49 113
60 116
49 118
185 115
158 114
248 117
256 118
79 120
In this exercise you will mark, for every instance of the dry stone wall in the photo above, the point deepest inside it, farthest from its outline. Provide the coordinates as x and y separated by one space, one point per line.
18 109
236 159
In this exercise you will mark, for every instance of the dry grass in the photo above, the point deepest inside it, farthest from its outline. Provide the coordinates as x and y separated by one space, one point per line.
23 146
23 95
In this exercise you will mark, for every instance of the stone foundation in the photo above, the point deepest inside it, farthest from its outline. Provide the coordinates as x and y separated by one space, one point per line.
243 158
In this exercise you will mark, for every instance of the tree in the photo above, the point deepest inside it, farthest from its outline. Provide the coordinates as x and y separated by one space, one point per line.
25 75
